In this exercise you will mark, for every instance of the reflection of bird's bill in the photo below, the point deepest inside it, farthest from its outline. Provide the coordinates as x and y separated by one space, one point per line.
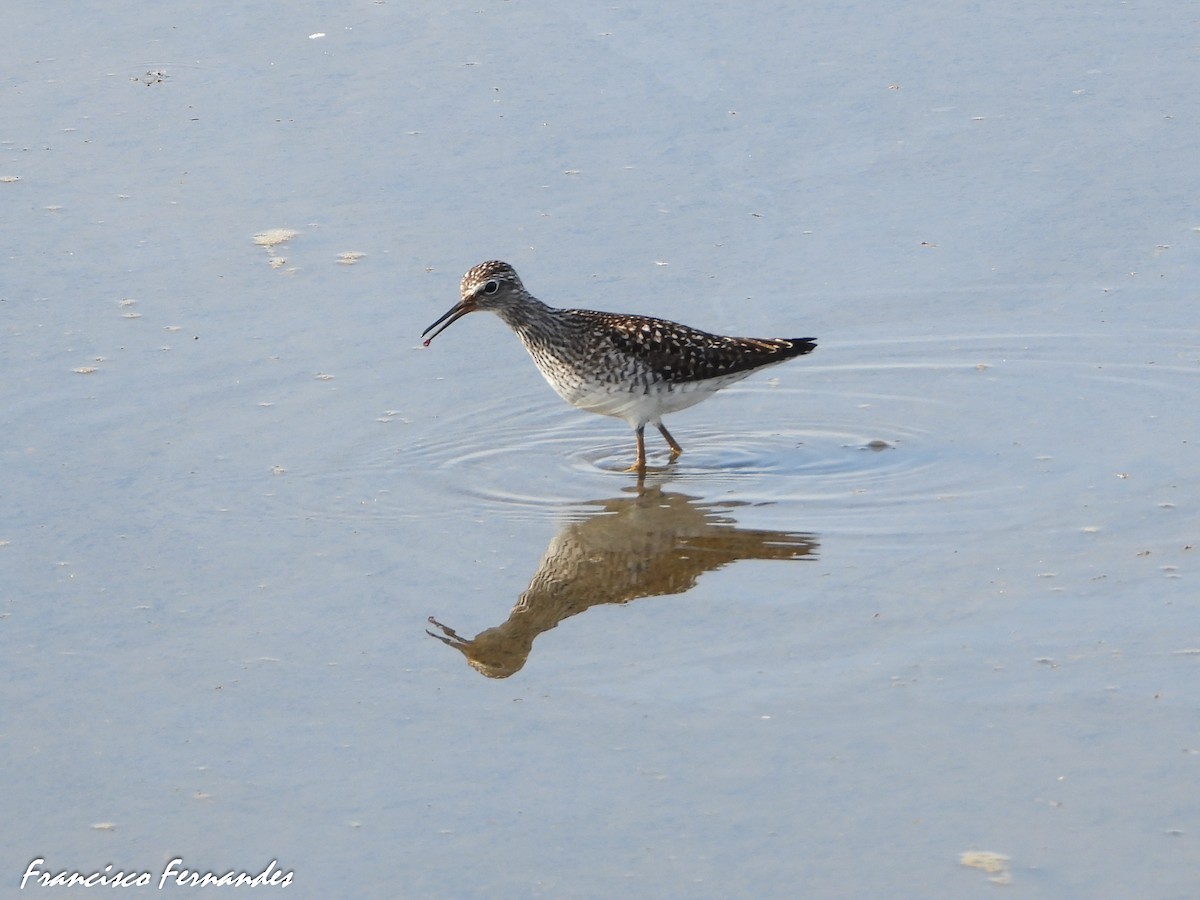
453 314
451 637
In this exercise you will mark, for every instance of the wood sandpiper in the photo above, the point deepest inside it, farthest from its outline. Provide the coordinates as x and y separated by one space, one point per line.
636 368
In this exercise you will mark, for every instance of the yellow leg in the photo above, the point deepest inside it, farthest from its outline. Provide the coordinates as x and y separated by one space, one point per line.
639 464
675 448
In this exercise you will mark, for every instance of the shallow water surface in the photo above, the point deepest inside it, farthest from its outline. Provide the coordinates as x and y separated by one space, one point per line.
929 591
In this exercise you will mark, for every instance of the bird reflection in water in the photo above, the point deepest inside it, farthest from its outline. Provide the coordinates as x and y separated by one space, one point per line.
651 544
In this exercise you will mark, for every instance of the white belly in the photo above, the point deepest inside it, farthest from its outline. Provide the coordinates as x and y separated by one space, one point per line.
640 405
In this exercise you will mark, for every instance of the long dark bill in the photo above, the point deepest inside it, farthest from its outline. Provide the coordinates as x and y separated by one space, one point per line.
453 314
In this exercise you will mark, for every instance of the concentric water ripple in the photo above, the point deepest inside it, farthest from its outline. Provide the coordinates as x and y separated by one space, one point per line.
551 457
904 436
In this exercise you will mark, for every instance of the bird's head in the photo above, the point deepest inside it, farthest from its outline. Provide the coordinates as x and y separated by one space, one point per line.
491 285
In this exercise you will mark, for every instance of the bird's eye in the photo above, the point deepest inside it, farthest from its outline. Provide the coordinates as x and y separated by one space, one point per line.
491 287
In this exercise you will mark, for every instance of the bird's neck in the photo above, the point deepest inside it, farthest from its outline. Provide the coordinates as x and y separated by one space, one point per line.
532 320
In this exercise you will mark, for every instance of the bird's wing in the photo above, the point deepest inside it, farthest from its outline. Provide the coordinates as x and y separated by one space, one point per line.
677 352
